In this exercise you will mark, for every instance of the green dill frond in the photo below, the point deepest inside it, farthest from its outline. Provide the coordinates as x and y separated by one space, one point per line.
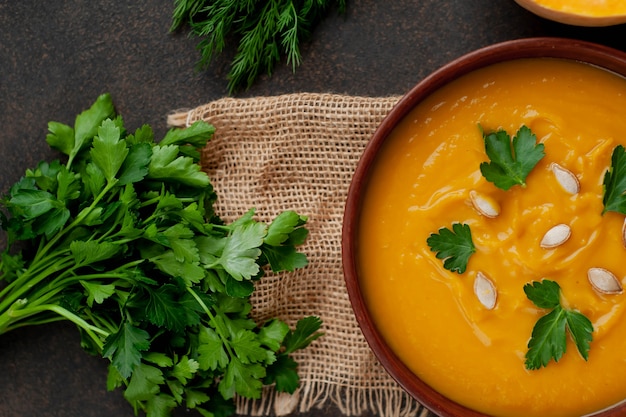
266 31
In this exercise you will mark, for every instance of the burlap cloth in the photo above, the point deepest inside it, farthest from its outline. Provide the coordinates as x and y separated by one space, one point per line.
298 152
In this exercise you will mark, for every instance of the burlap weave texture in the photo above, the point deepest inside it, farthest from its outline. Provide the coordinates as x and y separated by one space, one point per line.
298 152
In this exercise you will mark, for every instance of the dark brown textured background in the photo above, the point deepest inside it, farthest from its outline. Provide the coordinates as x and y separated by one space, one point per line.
57 56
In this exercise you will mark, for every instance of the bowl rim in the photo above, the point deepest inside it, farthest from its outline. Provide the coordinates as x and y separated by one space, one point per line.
538 47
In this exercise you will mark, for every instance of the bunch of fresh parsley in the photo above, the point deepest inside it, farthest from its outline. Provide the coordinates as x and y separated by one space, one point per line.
266 31
121 239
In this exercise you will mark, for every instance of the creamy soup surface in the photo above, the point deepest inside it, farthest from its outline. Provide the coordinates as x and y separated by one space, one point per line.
587 7
421 183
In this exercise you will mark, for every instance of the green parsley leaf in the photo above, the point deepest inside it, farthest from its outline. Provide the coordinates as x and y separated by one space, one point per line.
283 234
195 397
273 333
60 137
86 253
193 216
51 222
192 309
135 165
30 204
39 210
454 246
581 329
241 250
195 135
284 374
548 339
97 292
167 165
284 258
282 226
510 166
162 308
160 359
549 336
46 175
108 152
239 289
248 347
160 405
185 369
168 202
283 371
144 383
124 348
242 379
210 248
614 183
70 140
211 352
544 294
94 180
114 379
177 389
306 331
190 272
68 185
88 122
144 134
179 239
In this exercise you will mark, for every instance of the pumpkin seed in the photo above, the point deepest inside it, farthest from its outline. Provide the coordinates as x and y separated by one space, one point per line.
484 204
565 178
604 281
485 291
556 236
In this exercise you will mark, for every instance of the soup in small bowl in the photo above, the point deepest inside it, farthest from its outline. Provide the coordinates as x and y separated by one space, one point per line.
579 12
484 237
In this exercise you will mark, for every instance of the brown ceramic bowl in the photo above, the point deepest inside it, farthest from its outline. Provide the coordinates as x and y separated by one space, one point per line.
594 54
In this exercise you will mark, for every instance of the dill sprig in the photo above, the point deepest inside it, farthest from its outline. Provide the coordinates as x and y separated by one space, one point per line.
267 31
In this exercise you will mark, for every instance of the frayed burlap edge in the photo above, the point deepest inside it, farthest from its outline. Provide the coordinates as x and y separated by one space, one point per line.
298 152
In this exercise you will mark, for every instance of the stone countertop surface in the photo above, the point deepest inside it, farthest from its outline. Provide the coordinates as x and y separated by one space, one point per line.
57 56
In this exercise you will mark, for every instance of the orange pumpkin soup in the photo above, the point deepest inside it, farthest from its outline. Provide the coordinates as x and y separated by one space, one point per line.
586 7
422 181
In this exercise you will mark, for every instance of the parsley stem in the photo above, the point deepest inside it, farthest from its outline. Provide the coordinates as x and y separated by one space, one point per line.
45 263
101 322
77 221
33 269
66 279
17 312
51 319
28 280
220 331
